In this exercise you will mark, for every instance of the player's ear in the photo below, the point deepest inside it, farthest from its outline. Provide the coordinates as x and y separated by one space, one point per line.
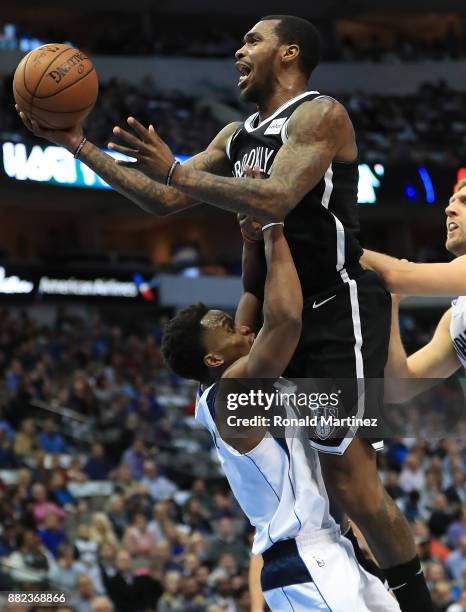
290 53
213 360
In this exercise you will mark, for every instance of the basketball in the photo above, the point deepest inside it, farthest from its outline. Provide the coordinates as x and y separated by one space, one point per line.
56 85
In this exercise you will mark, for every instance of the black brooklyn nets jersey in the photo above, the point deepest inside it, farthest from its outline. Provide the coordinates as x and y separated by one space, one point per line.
322 230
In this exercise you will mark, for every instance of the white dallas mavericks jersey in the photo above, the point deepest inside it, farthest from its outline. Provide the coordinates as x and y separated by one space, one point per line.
278 484
458 328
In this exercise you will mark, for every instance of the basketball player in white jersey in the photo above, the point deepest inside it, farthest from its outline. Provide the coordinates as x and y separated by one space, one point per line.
446 352
305 145
277 482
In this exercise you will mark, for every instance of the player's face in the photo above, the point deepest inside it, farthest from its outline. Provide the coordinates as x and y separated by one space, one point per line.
256 61
456 223
225 342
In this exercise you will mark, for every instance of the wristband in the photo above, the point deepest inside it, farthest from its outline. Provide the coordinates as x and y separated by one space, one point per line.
79 147
271 225
170 172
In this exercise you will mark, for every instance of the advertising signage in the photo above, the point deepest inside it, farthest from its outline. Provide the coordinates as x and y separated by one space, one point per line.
22 282
377 182
50 164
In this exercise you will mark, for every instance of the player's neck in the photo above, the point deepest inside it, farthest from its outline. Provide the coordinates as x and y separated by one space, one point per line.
279 97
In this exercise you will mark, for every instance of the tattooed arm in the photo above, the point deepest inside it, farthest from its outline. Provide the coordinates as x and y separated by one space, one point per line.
318 132
149 195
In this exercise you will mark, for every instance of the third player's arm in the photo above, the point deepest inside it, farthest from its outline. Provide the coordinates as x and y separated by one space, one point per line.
406 376
407 278
249 311
282 311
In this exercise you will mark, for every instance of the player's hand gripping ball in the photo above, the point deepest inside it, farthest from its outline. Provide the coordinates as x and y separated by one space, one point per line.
56 86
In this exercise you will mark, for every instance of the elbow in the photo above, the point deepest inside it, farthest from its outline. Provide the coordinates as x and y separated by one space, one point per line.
276 204
392 281
294 326
288 324
398 391
153 206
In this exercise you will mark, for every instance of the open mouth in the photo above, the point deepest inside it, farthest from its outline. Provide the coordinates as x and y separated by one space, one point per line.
245 71
452 226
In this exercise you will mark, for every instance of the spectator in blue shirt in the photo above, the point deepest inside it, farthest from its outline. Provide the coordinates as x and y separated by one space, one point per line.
50 439
98 465
52 535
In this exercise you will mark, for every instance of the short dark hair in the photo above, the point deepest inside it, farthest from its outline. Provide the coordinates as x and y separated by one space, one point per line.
299 31
182 344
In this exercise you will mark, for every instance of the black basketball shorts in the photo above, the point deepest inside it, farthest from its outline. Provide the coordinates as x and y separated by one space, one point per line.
344 347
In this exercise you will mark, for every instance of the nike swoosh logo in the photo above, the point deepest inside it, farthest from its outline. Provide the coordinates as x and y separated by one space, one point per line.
399 586
318 305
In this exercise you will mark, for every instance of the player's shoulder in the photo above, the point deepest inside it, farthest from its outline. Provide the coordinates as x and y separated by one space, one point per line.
321 112
221 141
228 131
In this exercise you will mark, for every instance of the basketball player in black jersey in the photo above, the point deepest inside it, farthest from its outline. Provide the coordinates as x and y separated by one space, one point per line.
305 146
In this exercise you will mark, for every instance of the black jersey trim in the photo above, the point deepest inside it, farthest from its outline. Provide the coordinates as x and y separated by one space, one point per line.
249 121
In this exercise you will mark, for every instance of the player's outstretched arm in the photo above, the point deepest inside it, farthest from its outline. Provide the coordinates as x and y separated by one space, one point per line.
282 311
277 339
249 311
406 377
318 132
151 196
407 278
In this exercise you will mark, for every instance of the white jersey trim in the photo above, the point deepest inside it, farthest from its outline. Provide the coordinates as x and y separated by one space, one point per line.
230 140
250 120
353 287
458 328
328 178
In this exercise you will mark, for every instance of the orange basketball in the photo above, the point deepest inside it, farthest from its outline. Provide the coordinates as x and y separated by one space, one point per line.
56 85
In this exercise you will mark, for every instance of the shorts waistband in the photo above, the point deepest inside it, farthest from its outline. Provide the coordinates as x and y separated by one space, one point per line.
285 548
334 284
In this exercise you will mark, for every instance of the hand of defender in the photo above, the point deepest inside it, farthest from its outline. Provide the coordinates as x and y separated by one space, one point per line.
153 156
251 229
69 138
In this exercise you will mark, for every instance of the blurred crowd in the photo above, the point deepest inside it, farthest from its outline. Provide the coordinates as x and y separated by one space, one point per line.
110 492
449 46
107 487
427 127
147 34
